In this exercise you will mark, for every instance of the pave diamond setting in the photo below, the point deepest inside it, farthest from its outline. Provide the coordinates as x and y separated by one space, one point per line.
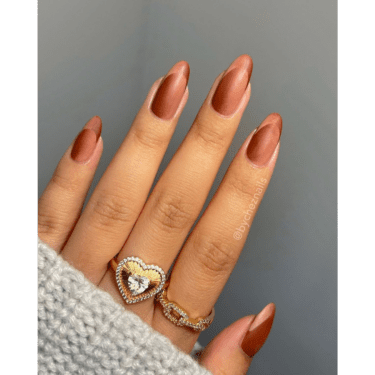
138 281
177 315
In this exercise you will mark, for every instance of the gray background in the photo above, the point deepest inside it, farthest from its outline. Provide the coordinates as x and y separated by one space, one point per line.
101 57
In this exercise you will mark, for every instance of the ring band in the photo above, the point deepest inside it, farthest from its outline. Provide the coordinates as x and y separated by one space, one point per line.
136 280
177 315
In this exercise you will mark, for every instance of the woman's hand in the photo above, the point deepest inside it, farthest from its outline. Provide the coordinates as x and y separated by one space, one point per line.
120 218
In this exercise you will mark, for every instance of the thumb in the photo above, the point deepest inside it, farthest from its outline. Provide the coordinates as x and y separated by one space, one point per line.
232 350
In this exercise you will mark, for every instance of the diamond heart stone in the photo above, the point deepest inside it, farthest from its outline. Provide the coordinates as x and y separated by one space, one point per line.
138 284
138 281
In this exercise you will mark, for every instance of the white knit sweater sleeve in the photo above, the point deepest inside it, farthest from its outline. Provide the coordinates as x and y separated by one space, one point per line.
82 330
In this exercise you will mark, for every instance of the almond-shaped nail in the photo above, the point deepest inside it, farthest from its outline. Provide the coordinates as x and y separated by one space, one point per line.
95 124
171 90
263 143
232 86
84 146
259 330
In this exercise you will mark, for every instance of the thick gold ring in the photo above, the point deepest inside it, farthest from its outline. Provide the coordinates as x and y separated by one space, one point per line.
136 280
177 315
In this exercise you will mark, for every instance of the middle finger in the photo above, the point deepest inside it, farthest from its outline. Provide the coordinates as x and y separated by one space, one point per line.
180 193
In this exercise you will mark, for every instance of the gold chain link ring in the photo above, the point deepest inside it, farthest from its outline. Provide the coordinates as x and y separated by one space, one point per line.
177 315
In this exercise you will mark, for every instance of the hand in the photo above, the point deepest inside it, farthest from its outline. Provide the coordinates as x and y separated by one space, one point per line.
121 219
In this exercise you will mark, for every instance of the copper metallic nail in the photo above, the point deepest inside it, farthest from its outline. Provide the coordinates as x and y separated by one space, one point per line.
171 90
258 331
95 124
263 143
232 86
84 146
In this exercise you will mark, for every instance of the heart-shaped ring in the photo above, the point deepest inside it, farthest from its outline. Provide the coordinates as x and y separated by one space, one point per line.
136 280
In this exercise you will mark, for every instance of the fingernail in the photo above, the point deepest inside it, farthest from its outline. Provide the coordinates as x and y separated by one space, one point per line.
259 330
95 124
232 86
84 146
171 91
263 143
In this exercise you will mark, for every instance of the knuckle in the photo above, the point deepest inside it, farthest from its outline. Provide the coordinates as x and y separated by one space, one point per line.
149 138
172 213
214 255
49 225
111 211
210 136
239 186
64 182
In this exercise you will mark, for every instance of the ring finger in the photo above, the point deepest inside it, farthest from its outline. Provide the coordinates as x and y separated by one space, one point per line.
181 191
212 249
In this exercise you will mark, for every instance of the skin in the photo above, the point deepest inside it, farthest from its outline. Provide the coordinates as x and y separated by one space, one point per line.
119 219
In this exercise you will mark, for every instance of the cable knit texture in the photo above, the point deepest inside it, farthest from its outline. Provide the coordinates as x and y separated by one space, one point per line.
82 330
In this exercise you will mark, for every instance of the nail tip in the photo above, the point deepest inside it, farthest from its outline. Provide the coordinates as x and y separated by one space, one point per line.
245 59
95 124
270 307
273 119
277 119
184 67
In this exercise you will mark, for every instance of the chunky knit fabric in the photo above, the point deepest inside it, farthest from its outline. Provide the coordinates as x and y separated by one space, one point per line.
82 330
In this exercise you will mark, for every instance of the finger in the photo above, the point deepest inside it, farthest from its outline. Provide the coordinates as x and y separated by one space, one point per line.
61 202
121 192
231 352
212 249
181 191
224 355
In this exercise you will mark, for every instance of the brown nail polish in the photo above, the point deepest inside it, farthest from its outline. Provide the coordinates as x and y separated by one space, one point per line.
95 124
172 89
84 146
232 86
263 143
255 338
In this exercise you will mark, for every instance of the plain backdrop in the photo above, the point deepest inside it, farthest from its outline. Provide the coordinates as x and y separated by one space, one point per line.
101 57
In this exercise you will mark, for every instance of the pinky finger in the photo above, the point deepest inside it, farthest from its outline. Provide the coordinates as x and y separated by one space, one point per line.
61 203
232 350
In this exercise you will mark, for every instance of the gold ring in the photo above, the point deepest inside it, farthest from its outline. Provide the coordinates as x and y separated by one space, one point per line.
136 280
177 315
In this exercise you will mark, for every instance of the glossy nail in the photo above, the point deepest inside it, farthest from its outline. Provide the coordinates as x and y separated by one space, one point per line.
232 86
95 124
263 143
171 90
84 146
259 330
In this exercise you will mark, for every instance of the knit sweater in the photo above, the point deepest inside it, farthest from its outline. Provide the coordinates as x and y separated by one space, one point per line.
82 330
